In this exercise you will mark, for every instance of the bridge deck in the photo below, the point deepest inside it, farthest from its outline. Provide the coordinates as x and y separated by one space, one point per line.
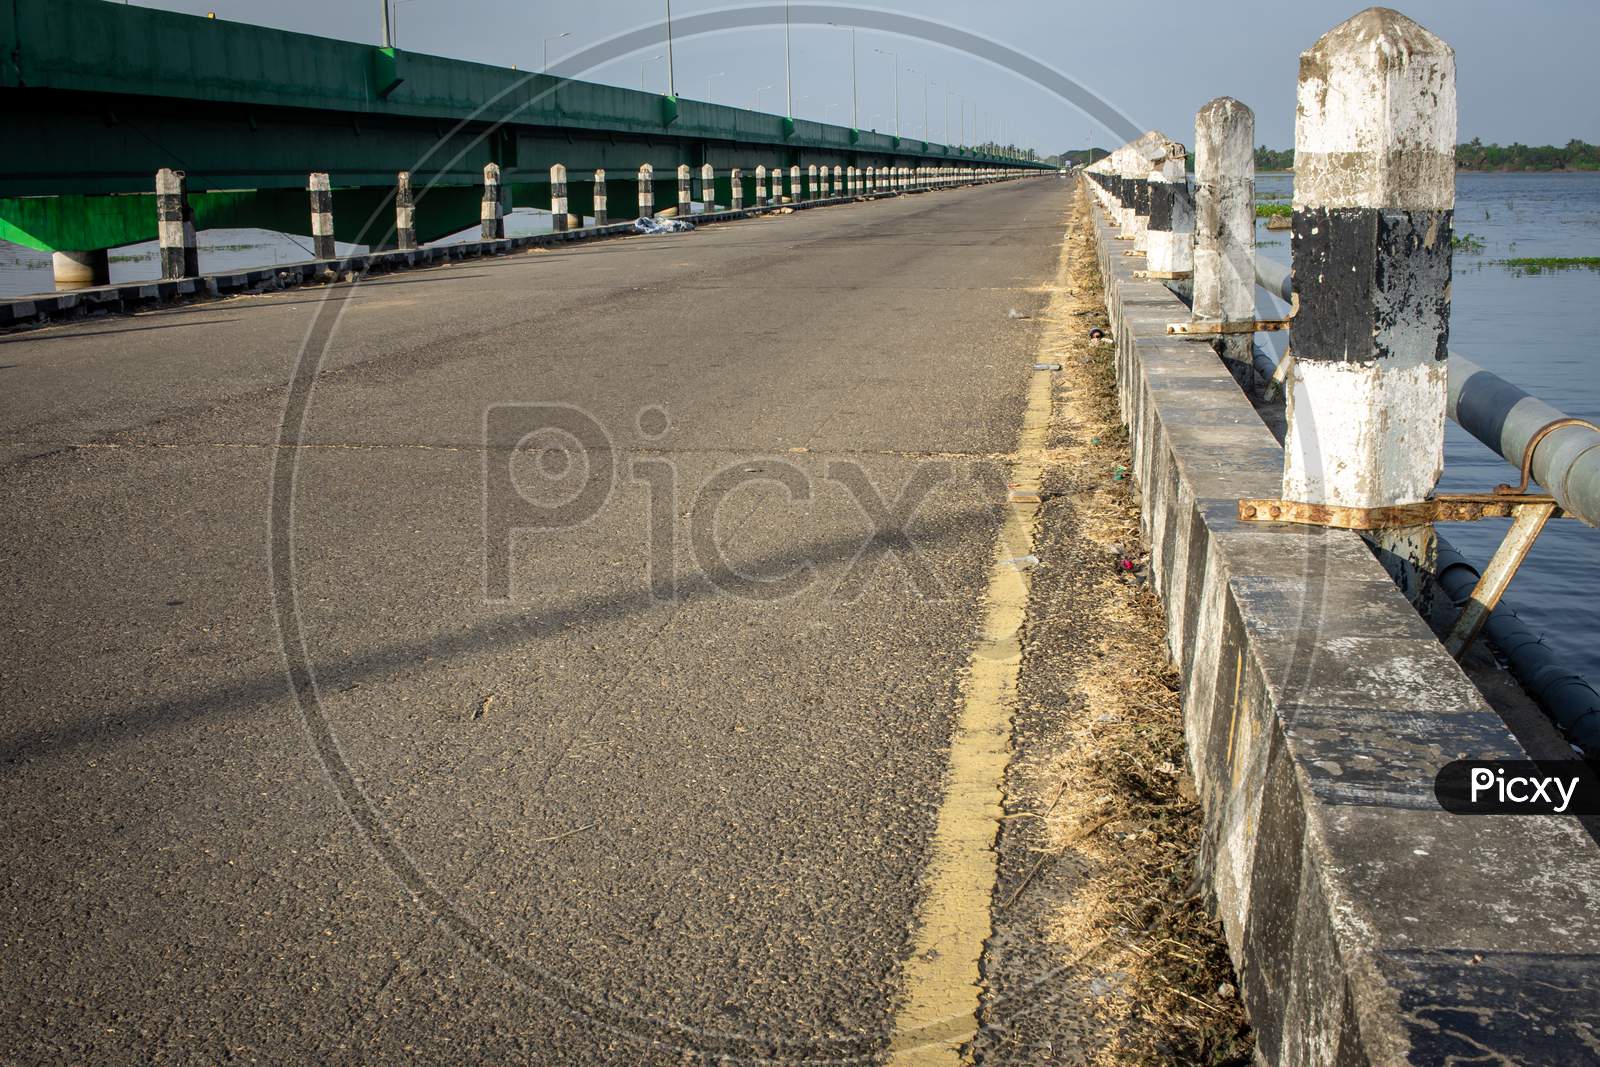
710 812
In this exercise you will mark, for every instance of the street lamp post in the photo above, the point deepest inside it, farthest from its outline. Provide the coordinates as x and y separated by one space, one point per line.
672 78
643 65
914 70
388 34
788 78
855 97
547 41
896 57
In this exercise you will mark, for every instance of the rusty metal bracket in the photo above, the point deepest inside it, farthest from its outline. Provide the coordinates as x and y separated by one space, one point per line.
1218 329
1533 442
1528 513
1162 275
1446 507
1528 519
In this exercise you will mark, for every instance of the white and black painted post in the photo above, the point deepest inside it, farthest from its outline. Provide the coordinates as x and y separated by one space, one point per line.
812 190
685 193
180 255
838 180
794 182
1225 231
600 216
1146 161
647 191
1374 199
558 197
493 214
736 188
1171 234
869 181
708 187
1127 188
405 213
761 186
321 194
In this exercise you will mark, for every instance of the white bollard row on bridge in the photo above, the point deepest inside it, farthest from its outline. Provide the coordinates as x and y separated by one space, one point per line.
1374 195
178 245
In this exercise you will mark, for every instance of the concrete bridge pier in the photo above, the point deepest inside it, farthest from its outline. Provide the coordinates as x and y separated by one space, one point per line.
1225 231
1374 195
80 270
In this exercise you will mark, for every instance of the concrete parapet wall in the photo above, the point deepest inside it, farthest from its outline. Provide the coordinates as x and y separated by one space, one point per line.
1367 925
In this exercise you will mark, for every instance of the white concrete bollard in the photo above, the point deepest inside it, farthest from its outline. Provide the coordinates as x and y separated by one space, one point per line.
685 193
405 213
600 216
794 183
1171 234
558 197
1225 230
492 215
838 180
708 187
1374 194
321 196
180 255
647 191
812 191
736 189
761 186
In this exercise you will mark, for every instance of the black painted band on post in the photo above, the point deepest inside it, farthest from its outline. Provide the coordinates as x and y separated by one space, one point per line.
1362 272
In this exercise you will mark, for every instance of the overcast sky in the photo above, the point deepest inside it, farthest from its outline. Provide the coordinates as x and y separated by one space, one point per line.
1526 71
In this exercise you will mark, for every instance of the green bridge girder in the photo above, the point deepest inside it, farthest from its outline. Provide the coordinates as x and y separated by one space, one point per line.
98 96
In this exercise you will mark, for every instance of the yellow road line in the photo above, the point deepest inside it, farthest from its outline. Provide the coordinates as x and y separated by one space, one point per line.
941 981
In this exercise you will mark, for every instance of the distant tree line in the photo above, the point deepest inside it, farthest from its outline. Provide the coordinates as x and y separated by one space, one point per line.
1475 155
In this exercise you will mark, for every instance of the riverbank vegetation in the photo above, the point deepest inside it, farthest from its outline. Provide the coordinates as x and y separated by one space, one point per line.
1475 155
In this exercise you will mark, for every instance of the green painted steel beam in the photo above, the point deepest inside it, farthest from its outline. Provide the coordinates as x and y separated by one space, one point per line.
103 95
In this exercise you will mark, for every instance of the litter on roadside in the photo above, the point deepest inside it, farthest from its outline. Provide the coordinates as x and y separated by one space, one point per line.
656 224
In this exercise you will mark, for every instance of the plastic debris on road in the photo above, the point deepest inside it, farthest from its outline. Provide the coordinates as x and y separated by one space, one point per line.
654 224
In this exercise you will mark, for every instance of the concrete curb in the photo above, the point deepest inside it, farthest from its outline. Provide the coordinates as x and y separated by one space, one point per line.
1367 925
47 308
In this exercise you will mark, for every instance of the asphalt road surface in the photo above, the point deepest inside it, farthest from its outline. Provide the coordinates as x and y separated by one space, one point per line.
352 712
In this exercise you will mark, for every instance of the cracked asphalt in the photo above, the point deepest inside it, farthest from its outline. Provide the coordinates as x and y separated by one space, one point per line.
283 781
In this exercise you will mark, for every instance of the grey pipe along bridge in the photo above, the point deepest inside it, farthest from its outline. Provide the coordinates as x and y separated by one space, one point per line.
101 97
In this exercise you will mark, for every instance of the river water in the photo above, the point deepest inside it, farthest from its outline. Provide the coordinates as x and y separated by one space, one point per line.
1537 330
